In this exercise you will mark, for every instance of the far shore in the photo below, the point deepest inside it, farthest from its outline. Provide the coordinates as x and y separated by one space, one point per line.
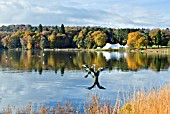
154 51
148 51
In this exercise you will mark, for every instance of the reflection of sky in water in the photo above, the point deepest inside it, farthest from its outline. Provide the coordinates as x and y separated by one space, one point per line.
113 55
21 88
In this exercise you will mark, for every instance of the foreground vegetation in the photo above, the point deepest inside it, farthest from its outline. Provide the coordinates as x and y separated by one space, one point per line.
155 101
40 37
150 102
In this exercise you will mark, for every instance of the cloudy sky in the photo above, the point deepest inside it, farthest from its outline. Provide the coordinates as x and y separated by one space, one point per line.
106 13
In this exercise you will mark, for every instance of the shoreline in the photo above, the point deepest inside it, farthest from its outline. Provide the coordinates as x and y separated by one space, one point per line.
147 51
153 51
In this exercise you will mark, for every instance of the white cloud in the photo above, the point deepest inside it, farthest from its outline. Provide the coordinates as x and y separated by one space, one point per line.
101 13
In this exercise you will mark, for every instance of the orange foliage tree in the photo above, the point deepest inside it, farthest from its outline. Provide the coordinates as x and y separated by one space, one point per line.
135 40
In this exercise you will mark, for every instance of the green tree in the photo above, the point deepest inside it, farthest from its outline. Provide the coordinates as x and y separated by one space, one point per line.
158 38
43 42
40 28
62 29
88 41
79 39
118 36
56 29
165 37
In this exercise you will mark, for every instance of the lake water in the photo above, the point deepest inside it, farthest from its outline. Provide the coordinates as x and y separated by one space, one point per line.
51 77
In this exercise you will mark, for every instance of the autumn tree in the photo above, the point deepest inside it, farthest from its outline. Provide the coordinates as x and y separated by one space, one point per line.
36 40
79 39
12 41
153 34
5 41
52 40
136 39
100 38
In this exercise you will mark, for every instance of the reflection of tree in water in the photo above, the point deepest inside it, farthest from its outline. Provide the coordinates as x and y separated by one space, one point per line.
159 62
62 70
136 61
32 60
95 74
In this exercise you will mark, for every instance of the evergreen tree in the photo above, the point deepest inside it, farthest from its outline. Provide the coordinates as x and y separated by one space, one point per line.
40 28
56 29
62 31
158 38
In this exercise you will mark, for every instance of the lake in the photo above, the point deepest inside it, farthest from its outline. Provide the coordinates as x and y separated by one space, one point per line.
51 77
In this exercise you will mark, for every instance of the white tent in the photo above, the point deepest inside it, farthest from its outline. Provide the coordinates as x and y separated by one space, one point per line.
114 46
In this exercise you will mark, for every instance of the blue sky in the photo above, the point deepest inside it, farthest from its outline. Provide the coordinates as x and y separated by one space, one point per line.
106 13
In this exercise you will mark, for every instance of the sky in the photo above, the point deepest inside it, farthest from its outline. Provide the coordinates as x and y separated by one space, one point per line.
105 13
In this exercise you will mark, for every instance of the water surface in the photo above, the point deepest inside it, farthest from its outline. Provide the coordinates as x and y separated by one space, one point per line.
36 76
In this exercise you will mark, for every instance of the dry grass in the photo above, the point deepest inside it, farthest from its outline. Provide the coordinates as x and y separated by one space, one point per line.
67 109
96 106
155 101
150 102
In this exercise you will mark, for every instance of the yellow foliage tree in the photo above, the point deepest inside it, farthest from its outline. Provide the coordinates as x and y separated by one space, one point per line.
100 38
135 40
28 33
52 39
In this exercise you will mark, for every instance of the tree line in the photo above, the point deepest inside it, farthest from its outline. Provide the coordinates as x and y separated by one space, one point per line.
40 37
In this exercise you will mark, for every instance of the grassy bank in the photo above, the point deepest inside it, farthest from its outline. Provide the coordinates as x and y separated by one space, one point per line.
150 102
